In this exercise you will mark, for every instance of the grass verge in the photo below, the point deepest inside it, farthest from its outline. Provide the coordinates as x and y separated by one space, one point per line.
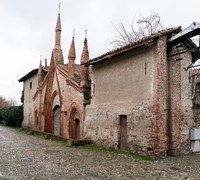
86 146
118 151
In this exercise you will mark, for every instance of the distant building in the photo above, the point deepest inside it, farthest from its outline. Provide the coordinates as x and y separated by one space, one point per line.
137 98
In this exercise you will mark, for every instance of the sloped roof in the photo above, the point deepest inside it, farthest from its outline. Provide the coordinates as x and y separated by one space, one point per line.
31 74
77 68
45 70
143 41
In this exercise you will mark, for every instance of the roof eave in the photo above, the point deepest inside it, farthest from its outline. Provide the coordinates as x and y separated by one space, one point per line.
147 41
30 74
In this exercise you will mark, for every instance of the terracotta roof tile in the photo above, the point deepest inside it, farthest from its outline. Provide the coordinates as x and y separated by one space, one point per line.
133 44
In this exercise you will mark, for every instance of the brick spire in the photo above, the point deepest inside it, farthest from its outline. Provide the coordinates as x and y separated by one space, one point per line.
84 58
71 58
58 33
57 51
40 74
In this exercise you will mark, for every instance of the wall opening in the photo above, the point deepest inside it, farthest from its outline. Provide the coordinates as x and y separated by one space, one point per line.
196 98
122 132
74 125
77 129
36 118
56 118
30 85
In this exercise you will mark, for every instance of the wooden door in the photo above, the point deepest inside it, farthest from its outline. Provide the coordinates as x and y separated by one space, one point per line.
77 129
57 121
123 132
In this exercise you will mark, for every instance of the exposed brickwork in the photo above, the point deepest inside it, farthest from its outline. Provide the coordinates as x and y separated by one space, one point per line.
84 69
58 33
160 99
71 58
48 114
174 117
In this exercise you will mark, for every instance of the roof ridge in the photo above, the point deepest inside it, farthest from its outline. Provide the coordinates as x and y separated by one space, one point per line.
137 42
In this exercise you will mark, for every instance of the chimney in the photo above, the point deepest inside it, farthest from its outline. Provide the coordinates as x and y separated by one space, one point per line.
45 63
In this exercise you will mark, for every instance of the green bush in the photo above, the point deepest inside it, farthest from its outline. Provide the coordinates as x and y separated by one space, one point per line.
12 115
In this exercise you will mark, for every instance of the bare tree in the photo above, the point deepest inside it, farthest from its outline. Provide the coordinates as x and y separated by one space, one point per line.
145 27
4 102
12 102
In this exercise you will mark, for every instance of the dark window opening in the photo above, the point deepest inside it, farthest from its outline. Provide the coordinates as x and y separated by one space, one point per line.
196 96
37 120
145 68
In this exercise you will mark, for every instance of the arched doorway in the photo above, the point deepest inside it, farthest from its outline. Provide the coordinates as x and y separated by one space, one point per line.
74 125
56 118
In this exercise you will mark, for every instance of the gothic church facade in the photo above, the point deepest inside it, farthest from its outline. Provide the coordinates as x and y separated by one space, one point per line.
54 95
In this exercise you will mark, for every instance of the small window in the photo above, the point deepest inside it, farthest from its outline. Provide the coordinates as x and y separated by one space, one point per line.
93 89
196 96
37 122
36 118
30 85
198 88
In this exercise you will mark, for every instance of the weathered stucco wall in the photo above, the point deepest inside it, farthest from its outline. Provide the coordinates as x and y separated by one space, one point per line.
181 116
30 87
153 91
195 80
122 85
187 117
122 78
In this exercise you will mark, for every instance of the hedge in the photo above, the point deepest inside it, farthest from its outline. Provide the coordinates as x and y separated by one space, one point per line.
12 115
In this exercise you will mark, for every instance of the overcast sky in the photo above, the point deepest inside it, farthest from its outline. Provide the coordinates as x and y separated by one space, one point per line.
27 29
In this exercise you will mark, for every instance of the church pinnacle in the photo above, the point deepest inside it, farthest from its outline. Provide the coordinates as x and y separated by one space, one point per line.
58 33
40 74
71 57
85 52
57 49
85 58
72 50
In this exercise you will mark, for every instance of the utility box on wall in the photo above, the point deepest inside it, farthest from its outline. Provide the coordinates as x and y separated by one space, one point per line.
195 139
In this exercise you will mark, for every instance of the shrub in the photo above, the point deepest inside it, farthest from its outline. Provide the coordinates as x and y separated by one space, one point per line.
12 115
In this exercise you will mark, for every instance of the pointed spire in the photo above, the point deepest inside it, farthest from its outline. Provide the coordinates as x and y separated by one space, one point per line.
85 58
45 61
71 57
40 74
58 23
58 31
72 50
85 52
58 56
59 8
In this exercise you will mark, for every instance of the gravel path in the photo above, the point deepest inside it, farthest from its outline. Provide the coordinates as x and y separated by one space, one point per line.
23 156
